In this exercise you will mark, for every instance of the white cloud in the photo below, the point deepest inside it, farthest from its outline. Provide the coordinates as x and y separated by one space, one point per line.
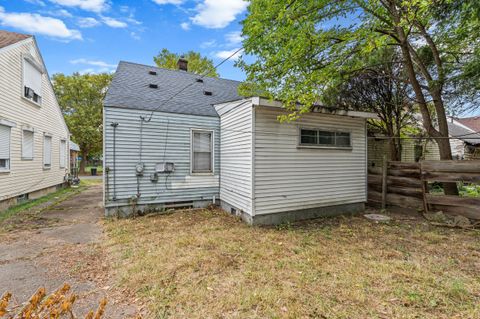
59 13
176 2
87 22
114 23
185 26
215 14
227 53
87 5
208 44
234 38
37 2
135 35
97 63
96 66
38 24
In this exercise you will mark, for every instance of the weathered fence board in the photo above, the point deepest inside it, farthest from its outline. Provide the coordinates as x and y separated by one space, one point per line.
407 186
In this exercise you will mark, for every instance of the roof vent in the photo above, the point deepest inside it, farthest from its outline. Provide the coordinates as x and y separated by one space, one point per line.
207 92
153 86
152 72
199 80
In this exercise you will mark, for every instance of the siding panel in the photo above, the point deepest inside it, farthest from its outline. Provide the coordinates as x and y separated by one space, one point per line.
166 138
28 175
236 155
291 178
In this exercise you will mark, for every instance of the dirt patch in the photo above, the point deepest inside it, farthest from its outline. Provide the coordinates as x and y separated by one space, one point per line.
204 264
67 248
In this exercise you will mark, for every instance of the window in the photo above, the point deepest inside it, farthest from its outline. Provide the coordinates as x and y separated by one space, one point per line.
32 81
4 148
63 146
47 151
27 145
202 151
323 138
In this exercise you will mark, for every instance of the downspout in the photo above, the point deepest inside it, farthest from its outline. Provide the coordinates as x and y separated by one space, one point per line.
114 125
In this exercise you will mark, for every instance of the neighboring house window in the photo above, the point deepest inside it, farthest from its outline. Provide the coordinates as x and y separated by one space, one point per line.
27 145
318 137
63 146
202 151
47 151
4 148
32 82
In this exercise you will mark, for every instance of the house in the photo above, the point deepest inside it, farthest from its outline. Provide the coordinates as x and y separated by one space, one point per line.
74 151
175 139
33 135
464 144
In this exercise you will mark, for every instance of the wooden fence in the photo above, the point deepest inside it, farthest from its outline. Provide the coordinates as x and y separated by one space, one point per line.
407 185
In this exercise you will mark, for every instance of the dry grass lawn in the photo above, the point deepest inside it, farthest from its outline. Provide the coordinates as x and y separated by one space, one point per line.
207 264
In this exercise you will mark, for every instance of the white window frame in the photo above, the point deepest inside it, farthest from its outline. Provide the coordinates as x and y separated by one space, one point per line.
31 130
200 130
51 149
62 163
29 59
322 146
8 165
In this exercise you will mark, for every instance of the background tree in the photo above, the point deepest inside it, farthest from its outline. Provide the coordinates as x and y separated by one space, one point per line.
381 89
303 47
196 63
81 99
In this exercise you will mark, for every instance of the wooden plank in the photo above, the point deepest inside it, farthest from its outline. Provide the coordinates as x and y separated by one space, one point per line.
375 170
451 177
396 200
458 210
384 182
395 181
406 191
452 200
404 165
451 166
404 172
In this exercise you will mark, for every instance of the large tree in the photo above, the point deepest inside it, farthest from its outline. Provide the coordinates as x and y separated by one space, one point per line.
381 89
196 62
81 97
305 47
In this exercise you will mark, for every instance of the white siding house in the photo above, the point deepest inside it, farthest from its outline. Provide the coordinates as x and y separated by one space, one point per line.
173 138
272 172
33 135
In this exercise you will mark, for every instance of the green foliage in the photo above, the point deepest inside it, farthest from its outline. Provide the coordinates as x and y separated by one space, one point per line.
303 48
196 63
81 99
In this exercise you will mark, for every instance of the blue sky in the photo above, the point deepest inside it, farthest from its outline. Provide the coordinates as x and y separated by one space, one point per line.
94 35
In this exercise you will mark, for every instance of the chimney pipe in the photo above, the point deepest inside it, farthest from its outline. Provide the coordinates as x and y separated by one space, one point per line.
182 64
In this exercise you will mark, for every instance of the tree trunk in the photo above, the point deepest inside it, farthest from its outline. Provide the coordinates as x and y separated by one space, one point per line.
83 162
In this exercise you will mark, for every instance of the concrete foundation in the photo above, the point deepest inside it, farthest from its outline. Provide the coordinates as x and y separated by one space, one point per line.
123 210
295 215
9 202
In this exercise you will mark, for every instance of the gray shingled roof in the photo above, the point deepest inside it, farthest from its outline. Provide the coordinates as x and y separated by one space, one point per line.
130 89
457 130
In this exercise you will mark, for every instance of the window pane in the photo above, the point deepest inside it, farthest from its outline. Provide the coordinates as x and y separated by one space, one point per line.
308 136
4 164
202 152
62 153
32 78
343 139
326 138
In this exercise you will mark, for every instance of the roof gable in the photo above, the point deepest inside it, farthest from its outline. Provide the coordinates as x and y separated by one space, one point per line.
130 88
8 38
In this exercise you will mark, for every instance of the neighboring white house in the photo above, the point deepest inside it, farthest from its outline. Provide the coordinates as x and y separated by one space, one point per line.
173 139
34 138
